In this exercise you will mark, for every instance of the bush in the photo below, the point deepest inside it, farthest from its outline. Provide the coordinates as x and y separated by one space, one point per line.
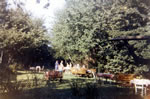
91 91
76 88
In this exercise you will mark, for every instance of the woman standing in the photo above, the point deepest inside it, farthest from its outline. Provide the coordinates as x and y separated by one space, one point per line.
56 65
61 67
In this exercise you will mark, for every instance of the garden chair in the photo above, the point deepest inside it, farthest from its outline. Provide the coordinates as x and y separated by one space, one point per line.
140 85
38 68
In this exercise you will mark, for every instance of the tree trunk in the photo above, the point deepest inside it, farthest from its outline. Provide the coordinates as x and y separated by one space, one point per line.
137 59
1 57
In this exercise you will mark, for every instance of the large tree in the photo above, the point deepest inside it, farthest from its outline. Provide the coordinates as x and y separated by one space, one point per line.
129 19
84 29
80 32
20 36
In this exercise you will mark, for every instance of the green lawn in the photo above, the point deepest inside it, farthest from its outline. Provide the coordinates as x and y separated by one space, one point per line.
72 87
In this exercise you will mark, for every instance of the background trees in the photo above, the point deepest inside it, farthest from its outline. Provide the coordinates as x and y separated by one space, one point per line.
83 30
81 34
23 43
22 38
130 19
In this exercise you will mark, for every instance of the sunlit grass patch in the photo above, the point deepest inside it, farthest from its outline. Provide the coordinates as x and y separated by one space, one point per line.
71 87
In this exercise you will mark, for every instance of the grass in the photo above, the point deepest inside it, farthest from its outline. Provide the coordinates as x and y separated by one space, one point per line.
72 87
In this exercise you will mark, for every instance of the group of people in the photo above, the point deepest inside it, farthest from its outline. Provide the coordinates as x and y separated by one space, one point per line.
77 66
60 67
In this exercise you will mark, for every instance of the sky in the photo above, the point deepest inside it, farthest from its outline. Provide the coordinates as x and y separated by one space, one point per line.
38 10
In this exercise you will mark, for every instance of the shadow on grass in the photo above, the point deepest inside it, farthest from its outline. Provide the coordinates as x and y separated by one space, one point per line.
75 88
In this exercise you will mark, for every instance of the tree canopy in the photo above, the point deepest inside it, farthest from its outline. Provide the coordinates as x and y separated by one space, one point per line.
84 28
20 36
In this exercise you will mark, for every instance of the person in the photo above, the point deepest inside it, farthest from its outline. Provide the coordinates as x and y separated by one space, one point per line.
78 66
56 65
67 68
83 66
70 65
61 67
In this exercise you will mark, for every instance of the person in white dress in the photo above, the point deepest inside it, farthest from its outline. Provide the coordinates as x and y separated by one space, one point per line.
61 67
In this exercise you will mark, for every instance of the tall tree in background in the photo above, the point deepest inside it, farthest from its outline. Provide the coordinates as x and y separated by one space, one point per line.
20 36
130 19
79 32
83 30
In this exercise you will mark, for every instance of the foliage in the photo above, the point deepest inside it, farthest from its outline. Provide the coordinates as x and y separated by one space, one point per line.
21 39
76 88
82 31
62 90
91 91
84 28
129 19
20 36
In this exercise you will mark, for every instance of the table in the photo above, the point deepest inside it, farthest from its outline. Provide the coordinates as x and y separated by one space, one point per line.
105 75
140 84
